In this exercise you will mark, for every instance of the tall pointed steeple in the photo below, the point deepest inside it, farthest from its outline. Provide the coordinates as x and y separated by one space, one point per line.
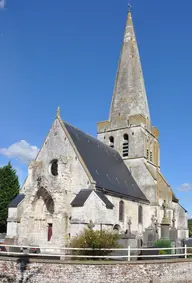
129 97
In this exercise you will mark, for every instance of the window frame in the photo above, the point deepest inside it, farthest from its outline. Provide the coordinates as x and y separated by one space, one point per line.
125 145
140 214
49 231
111 141
54 162
121 210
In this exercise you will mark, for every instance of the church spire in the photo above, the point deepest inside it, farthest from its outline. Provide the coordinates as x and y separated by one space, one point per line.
129 97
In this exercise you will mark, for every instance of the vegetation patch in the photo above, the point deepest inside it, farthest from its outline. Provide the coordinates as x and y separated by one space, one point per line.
9 188
190 227
163 244
96 240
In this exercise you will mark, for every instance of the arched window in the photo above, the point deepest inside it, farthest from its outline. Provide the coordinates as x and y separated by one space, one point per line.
111 141
43 194
125 145
140 215
121 210
49 231
54 167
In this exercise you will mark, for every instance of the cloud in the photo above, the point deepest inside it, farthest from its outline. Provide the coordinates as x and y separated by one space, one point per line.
21 150
2 4
186 187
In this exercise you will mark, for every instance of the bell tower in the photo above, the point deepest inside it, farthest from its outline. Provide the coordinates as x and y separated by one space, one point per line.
128 128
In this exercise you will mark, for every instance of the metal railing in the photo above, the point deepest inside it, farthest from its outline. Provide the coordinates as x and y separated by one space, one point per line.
65 252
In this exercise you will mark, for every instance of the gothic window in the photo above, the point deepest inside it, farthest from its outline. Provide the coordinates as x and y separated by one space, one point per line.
140 215
46 198
121 210
151 156
111 141
49 232
125 145
54 167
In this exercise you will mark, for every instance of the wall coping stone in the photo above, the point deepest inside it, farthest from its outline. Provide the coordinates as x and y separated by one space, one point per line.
91 262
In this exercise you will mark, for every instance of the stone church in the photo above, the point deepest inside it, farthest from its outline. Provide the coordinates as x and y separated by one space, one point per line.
77 180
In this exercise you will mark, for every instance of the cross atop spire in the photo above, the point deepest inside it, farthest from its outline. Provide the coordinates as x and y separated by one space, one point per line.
129 7
58 112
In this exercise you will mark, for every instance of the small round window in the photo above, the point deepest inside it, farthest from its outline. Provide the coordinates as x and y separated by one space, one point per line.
54 167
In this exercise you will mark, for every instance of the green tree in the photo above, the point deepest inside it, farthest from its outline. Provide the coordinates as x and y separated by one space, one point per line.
190 227
9 188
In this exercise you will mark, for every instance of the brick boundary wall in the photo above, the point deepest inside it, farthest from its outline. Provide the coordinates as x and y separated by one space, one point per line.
50 271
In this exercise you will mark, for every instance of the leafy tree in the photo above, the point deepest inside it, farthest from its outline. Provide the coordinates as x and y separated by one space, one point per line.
190 227
9 188
95 239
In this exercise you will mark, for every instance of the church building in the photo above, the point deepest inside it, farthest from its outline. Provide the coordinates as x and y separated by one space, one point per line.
77 180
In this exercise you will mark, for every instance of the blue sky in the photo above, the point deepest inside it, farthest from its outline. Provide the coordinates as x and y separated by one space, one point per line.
65 53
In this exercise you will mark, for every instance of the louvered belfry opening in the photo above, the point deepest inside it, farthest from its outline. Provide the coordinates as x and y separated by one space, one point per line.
111 141
125 145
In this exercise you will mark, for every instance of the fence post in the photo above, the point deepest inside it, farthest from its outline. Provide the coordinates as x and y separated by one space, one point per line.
185 251
129 253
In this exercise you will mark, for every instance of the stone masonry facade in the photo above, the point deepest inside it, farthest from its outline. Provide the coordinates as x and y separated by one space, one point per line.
12 270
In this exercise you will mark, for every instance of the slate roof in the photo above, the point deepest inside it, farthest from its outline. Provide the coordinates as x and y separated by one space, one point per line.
174 198
106 166
83 195
16 201
183 208
104 199
81 198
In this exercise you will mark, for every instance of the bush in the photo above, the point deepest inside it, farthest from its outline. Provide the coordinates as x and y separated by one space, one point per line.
162 252
190 227
95 239
189 251
163 244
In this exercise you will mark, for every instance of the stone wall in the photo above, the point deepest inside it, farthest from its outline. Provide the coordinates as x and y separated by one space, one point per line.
61 188
94 209
11 270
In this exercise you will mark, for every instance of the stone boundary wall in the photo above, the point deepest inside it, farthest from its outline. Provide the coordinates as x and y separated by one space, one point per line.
47 271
